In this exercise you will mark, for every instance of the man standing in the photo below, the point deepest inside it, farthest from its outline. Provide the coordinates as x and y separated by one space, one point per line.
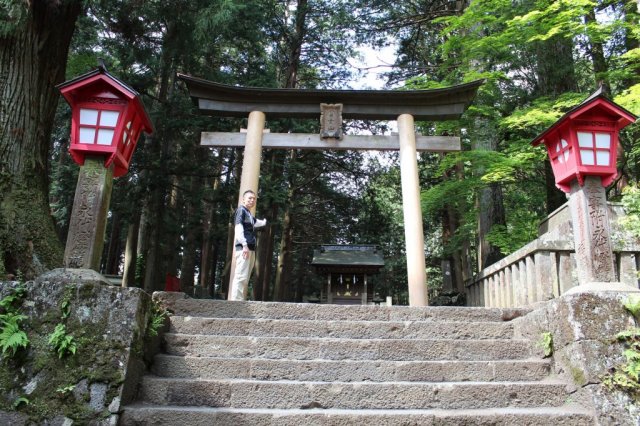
245 245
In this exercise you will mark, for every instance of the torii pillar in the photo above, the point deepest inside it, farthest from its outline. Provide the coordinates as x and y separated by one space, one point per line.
414 237
250 167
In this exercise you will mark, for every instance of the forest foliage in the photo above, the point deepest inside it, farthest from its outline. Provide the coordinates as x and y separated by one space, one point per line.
538 58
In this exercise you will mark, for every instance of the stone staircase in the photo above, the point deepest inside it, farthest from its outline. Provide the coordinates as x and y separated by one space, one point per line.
250 363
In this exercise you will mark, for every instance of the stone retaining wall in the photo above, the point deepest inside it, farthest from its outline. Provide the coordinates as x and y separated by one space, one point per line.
108 325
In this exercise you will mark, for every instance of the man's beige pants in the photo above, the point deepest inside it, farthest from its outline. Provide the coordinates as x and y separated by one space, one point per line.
240 282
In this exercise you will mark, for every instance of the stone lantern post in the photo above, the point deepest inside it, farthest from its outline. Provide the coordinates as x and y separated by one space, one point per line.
582 148
107 119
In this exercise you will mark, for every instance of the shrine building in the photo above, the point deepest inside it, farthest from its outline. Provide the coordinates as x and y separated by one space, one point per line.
348 269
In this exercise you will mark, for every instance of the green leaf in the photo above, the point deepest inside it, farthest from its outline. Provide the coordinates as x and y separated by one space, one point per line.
12 338
632 304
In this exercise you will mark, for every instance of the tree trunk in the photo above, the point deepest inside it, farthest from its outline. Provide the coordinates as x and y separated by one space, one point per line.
264 256
555 67
295 45
130 254
171 238
193 224
284 260
115 245
159 146
33 57
490 203
209 227
458 257
215 255
597 57
556 75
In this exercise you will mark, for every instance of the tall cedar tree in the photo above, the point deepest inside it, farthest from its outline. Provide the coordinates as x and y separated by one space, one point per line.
34 43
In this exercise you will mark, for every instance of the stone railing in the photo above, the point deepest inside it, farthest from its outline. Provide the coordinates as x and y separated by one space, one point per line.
545 268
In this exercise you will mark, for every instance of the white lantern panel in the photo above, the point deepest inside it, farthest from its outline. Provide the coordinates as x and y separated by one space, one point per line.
586 156
125 135
89 116
105 136
87 135
109 118
566 155
585 139
603 140
602 158
564 143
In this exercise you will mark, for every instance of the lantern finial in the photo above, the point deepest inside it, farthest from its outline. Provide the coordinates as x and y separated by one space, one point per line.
101 65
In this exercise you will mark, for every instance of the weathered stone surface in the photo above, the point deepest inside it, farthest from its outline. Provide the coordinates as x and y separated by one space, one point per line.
343 349
148 416
108 326
583 326
341 329
180 305
350 371
342 395
266 363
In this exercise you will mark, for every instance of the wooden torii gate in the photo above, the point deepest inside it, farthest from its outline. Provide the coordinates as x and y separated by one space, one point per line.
332 106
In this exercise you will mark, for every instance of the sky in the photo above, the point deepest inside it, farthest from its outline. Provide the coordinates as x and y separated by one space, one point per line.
375 62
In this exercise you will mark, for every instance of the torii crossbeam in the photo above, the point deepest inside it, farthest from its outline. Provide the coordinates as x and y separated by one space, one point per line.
332 106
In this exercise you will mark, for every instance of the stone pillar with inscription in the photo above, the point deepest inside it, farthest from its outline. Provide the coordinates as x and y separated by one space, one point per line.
591 231
85 239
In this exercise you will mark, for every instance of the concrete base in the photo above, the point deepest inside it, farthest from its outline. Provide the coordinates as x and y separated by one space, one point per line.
598 287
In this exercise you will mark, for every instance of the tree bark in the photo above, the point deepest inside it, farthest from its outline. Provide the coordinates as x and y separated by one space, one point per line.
284 259
33 57
192 226
489 199
295 45
155 214
115 245
130 254
556 75
596 51
264 256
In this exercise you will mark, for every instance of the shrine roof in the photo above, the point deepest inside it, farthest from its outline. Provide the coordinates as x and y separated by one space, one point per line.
348 255
235 101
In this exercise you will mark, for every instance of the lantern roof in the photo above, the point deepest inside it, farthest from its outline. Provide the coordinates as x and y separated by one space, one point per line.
597 101
99 78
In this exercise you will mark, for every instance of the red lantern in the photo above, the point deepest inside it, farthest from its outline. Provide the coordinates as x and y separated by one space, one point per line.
585 141
107 119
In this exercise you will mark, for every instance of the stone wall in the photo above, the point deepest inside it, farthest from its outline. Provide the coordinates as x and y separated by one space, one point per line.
583 326
108 325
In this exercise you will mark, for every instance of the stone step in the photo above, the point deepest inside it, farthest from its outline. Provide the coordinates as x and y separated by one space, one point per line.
349 371
144 415
179 305
342 349
342 329
350 395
